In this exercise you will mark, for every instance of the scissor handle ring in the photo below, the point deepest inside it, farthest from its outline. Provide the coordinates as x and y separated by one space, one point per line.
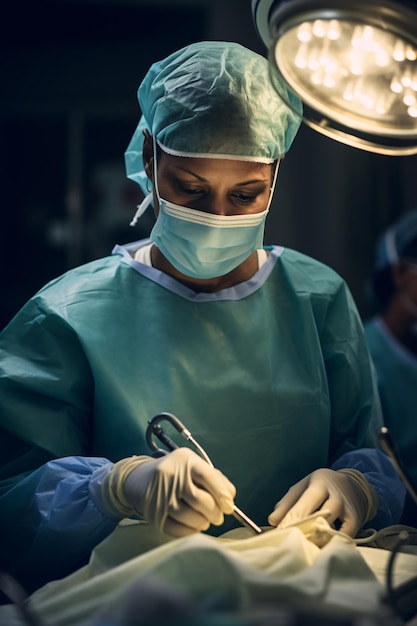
153 425
150 432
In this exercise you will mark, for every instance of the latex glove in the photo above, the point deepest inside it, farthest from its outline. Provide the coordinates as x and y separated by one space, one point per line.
180 492
345 493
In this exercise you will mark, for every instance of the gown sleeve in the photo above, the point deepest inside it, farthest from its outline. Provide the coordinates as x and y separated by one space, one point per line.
356 408
49 518
381 474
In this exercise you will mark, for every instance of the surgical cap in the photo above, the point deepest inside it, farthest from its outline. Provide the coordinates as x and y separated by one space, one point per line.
397 241
213 99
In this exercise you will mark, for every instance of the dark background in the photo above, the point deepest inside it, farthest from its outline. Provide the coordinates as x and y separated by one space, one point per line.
69 74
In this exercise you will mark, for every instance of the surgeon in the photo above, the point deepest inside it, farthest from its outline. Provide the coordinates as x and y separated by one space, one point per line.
257 349
392 340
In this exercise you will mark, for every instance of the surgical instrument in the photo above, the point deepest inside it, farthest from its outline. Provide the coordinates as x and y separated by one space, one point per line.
154 428
389 447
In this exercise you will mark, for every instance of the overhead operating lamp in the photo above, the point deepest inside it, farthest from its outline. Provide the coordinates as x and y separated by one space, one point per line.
353 63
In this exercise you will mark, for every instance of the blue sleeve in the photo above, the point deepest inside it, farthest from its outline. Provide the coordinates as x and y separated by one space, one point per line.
51 520
381 474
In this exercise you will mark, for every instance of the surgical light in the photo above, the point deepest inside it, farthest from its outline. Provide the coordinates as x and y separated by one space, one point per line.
352 62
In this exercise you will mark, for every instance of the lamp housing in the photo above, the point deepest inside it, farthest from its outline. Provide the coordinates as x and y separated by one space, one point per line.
353 63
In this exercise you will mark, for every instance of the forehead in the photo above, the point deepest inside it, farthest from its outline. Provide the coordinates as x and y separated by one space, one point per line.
209 167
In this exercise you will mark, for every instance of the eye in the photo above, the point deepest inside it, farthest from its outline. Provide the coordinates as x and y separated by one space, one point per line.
248 196
245 198
190 190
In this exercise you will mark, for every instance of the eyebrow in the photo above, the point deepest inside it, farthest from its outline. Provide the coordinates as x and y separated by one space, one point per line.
204 180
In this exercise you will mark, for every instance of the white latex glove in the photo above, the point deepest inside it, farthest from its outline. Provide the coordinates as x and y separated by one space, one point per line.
345 493
180 492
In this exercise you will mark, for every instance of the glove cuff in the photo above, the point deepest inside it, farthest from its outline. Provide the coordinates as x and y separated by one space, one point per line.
367 490
112 493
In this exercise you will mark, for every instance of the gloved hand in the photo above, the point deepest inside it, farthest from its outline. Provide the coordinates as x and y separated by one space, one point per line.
180 492
345 493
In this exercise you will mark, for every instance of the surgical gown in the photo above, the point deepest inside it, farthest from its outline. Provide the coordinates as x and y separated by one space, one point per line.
271 376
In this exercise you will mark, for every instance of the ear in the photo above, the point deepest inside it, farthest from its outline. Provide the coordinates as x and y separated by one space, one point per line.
147 154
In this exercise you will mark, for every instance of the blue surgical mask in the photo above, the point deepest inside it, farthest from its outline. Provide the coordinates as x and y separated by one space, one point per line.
203 245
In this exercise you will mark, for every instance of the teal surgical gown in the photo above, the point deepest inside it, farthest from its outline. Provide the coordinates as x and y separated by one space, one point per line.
396 370
272 377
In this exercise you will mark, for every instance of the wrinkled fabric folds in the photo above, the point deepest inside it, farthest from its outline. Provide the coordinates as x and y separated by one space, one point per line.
213 99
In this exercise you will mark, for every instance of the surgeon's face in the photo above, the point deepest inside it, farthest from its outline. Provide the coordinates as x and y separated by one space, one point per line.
221 187
218 186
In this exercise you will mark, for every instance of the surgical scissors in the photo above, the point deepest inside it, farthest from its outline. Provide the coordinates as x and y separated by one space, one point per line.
155 428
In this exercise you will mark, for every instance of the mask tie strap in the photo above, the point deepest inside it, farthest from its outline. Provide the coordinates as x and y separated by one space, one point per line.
149 198
141 208
272 188
155 168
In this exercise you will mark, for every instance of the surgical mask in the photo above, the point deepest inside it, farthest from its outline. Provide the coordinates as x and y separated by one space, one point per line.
203 245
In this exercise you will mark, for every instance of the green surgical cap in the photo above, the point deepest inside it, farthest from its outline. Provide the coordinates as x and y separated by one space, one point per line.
213 99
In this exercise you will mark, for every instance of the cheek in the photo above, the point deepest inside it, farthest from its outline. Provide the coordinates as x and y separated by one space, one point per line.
265 198
166 189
